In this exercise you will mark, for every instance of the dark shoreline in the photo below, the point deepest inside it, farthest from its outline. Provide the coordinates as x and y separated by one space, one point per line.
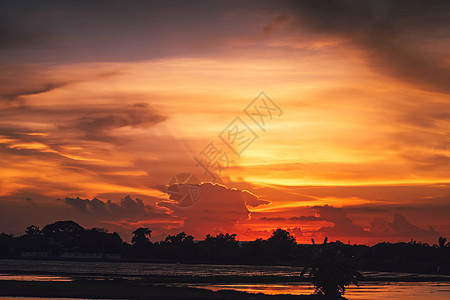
124 289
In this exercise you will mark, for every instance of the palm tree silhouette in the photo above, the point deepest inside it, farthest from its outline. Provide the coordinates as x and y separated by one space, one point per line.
442 242
141 237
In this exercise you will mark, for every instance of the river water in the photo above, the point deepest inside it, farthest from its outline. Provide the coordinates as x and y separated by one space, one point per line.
366 290
423 288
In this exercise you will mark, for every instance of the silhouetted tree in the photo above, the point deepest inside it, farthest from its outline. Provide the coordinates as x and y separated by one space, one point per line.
62 227
62 236
141 243
99 240
6 244
443 252
32 240
442 242
222 247
141 237
280 248
255 252
330 272
179 247
282 236
32 231
281 245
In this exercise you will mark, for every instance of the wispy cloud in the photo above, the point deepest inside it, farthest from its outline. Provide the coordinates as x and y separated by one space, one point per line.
46 88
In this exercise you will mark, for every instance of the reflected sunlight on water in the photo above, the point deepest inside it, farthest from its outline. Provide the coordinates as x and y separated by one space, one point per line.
401 291
33 277
366 291
268 289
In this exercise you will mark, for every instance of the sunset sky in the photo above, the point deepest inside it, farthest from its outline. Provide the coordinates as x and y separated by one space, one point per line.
104 99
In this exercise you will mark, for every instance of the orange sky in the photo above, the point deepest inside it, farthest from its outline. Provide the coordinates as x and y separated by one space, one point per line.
106 101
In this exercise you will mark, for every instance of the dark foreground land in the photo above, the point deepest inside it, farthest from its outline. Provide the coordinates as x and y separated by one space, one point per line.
123 289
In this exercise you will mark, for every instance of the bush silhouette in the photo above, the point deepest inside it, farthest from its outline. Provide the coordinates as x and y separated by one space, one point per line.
331 272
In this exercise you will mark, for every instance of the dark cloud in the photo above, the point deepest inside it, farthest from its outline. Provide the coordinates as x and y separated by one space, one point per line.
127 208
13 36
307 218
39 90
98 125
218 209
86 205
400 226
408 195
343 226
378 226
369 208
296 231
272 219
392 34
17 81
118 31
94 122
275 24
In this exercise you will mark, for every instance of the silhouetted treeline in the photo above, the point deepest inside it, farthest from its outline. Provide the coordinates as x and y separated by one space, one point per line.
57 240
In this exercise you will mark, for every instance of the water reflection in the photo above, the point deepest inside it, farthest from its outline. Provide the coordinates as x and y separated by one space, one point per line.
34 278
366 291
401 291
268 289
66 271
